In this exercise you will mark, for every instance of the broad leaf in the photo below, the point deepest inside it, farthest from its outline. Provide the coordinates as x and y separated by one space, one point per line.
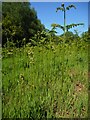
60 8
70 6
57 25
73 25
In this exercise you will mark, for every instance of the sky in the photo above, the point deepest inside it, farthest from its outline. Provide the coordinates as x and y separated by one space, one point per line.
46 12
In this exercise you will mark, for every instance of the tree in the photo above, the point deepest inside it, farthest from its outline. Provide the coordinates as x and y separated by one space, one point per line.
19 21
65 28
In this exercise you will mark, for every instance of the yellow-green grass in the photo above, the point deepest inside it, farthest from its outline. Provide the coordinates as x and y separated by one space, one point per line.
42 82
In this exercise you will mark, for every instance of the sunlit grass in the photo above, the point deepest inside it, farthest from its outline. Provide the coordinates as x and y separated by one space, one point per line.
45 83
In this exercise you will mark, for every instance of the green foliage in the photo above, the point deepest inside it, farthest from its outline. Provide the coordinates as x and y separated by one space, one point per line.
70 6
85 36
45 83
73 25
70 37
44 37
41 37
19 21
57 25
9 44
44 78
65 28
60 8
64 9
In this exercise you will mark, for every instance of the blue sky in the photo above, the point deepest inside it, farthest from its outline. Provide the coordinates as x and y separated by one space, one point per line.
46 12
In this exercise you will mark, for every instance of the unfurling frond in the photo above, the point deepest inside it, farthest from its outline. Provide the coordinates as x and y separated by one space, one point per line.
70 6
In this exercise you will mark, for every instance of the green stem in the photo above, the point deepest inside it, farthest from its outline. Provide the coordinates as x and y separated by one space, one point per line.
64 21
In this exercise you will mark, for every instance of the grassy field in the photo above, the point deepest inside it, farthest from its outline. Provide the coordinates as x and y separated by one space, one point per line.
45 82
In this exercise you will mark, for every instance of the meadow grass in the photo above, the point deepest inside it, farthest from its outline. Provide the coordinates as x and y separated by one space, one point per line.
40 82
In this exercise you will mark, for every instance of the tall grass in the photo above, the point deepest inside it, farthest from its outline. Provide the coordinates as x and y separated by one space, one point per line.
40 82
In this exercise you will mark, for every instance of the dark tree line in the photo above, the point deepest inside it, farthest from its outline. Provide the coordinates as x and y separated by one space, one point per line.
19 21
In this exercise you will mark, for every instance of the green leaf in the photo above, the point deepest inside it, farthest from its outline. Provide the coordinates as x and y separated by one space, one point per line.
73 25
60 8
70 6
57 25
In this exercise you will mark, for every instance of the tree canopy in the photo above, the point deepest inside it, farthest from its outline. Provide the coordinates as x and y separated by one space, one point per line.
19 21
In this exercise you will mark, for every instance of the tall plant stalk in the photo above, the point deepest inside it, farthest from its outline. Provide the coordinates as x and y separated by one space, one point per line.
65 28
64 20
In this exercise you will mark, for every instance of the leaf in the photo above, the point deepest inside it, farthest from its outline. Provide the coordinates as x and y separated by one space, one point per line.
52 31
70 6
57 25
73 25
60 8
